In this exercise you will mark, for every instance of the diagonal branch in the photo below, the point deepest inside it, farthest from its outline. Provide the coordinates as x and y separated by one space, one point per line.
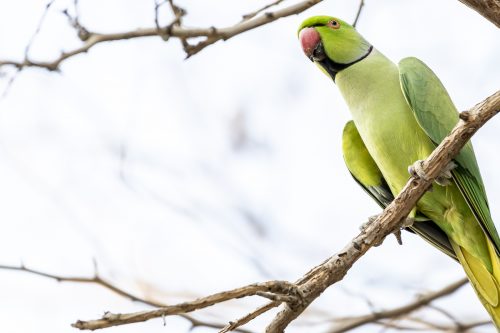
392 217
489 9
234 325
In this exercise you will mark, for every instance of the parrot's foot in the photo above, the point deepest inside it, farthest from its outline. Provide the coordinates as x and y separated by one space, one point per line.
444 178
407 223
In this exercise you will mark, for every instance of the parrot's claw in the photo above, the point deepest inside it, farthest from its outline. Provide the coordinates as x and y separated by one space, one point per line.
444 179
408 222
397 234
416 170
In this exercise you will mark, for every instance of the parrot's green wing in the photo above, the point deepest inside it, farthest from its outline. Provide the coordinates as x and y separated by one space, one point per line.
367 174
362 166
437 115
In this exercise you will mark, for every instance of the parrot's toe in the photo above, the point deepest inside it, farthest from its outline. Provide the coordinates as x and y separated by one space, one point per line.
444 178
408 222
417 170
397 234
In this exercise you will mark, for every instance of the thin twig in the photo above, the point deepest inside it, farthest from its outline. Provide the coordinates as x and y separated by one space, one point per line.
455 327
258 11
352 323
158 5
234 325
360 8
28 47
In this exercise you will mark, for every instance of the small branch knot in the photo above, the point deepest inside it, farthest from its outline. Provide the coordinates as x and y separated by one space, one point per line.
465 115
83 34
109 316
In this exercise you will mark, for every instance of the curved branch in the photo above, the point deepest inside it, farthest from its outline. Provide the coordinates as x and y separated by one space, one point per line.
211 34
490 9
96 279
281 291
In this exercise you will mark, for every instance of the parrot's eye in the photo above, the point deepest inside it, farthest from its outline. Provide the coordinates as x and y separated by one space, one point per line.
334 24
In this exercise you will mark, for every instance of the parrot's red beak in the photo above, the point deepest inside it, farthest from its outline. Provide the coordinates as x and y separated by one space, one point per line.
310 41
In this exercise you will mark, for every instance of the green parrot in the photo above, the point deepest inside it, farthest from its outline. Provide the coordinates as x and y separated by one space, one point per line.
400 114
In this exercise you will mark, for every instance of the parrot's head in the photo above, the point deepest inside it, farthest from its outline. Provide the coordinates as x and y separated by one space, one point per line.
332 43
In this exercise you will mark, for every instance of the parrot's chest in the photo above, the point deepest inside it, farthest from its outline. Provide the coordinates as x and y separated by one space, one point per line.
393 138
384 120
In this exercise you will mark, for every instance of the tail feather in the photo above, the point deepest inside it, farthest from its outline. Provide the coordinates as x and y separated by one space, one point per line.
484 281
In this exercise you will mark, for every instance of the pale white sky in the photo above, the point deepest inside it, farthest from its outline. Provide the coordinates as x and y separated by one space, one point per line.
131 156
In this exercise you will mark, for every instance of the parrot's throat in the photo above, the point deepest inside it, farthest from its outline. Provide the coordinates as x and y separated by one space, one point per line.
333 67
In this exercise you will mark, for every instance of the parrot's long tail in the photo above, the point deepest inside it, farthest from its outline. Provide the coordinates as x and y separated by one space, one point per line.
485 283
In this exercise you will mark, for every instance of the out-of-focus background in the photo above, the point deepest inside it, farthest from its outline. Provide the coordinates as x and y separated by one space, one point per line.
185 177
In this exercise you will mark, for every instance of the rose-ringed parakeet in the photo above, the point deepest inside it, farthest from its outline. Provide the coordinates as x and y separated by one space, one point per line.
400 114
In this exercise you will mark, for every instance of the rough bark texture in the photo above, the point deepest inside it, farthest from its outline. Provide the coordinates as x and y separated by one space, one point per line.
490 9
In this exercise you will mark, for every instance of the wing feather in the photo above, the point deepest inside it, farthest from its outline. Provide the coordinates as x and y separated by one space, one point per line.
437 115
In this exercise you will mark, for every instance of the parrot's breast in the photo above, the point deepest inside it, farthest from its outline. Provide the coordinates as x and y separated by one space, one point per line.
386 124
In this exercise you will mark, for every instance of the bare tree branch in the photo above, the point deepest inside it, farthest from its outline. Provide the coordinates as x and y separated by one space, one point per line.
272 289
489 9
28 46
360 9
211 34
423 300
455 327
234 325
260 10
96 279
